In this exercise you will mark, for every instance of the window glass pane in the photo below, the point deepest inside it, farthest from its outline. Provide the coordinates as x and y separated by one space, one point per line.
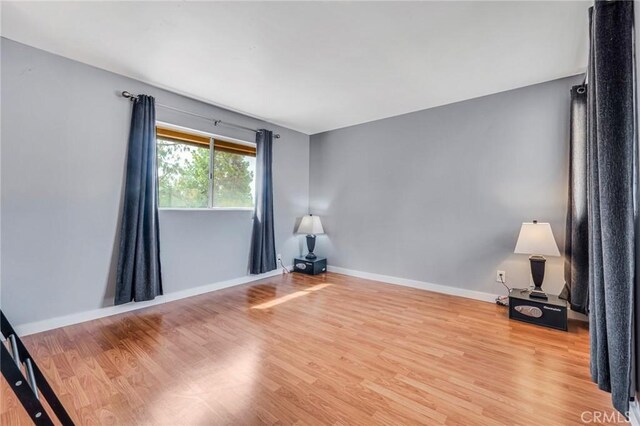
183 174
233 179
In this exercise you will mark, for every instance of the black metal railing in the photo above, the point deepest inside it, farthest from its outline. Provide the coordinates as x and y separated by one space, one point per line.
26 380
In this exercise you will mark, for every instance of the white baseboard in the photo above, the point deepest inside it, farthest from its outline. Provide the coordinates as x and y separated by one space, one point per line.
454 291
65 320
438 288
634 413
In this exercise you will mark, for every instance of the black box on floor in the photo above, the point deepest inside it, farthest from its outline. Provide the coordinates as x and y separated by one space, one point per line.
550 313
310 266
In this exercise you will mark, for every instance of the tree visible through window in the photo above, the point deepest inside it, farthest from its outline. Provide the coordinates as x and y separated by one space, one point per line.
233 179
189 177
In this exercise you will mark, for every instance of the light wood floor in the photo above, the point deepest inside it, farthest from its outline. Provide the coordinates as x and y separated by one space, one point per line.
329 349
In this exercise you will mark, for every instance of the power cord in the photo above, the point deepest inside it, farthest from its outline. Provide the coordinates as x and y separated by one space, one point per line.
284 268
503 300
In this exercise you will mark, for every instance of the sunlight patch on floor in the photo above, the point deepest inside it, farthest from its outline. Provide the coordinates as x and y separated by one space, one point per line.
291 296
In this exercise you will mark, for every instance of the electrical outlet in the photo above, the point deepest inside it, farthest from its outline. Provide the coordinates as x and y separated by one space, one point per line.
279 257
501 276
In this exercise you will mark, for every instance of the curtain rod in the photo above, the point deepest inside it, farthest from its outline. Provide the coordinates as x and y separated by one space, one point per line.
130 96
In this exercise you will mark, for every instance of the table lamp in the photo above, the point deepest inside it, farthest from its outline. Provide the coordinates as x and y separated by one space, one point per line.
311 226
536 239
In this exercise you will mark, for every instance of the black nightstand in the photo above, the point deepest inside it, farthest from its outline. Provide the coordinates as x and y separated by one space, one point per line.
310 266
550 313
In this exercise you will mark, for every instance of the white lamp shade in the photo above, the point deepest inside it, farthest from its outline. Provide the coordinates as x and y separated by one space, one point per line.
536 238
310 225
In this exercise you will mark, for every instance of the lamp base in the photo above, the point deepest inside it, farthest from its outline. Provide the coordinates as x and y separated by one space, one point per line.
311 244
537 293
537 273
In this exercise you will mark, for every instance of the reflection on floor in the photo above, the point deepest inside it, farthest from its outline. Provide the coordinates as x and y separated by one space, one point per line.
290 296
327 349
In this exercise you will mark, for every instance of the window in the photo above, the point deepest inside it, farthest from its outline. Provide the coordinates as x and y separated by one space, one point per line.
190 177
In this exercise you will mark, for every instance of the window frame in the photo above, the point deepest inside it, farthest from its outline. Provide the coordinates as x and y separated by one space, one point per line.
199 139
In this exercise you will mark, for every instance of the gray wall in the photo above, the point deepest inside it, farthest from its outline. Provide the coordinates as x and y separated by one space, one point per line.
439 195
64 136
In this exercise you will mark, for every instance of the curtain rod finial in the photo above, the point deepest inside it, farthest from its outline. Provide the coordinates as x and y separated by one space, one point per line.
128 95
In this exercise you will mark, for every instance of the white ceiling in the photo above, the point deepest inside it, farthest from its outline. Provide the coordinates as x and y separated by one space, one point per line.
315 66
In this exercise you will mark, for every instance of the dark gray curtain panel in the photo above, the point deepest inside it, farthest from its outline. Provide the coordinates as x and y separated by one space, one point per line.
263 247
138 276
611 186
576 247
